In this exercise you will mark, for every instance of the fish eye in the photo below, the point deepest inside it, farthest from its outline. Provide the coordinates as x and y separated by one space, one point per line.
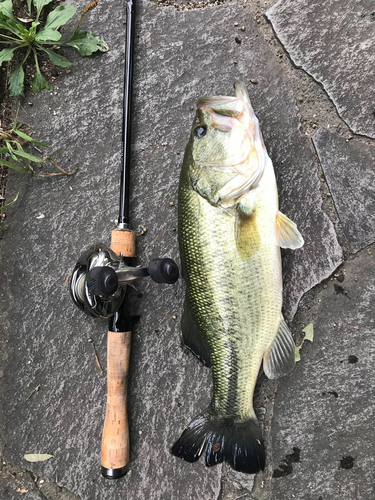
200 131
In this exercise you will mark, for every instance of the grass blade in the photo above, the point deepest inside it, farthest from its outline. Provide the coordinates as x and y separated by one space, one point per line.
11 150
27 156
30 139
11 202
13 166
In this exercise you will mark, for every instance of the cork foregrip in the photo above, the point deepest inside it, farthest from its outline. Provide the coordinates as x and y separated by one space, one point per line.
115 440
123 241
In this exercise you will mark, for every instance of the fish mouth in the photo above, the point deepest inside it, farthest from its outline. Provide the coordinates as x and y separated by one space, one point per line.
240 92
220 112
225 113
222 105
245 155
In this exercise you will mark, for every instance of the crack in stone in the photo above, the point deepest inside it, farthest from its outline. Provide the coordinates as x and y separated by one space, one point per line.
285 22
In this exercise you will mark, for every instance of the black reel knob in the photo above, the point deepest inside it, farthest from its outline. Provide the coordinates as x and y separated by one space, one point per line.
102 281
163 271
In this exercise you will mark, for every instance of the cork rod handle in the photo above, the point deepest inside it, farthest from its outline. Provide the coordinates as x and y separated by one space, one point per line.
115 440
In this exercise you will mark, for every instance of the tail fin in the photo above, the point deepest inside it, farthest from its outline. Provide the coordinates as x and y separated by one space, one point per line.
238 443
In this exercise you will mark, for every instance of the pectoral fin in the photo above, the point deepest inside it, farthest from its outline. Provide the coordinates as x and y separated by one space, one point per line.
193 337
248 203
287 234
279 360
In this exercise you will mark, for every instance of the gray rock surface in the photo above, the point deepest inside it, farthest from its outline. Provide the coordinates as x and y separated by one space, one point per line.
16 484
323 414
349 170
334 41
179 56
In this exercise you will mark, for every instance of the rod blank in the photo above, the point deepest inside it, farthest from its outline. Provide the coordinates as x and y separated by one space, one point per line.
124 220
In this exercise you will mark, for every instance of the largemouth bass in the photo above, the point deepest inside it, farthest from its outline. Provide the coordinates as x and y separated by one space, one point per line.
230 234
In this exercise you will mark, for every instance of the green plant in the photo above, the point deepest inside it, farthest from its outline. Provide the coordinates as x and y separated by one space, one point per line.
11 144
40 38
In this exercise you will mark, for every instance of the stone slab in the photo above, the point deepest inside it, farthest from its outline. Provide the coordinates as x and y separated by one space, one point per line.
349 170
333 41
179 56
18 484
323 439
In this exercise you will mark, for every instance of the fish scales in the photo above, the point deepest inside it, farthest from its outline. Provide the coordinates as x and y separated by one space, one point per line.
237 306
230 233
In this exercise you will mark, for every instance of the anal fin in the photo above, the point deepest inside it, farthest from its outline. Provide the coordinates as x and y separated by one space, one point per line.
287 234
193 337
280 359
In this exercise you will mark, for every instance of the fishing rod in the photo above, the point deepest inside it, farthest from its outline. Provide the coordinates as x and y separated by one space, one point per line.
98 288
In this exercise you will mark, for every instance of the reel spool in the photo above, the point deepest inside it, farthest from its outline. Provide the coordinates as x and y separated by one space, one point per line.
100 278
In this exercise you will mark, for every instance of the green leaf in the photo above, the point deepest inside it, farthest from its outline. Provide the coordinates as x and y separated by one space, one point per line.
37 457
57 59
48 34
28 5
86 43
60 16
16 79
7 20
6 8
40 83
3 150
33 28
309 335
30 139
13 166
23 31
39 4
10 27
309 332
6 54
27 156
298 356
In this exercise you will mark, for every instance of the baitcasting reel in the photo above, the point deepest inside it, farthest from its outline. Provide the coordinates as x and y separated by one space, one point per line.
100 278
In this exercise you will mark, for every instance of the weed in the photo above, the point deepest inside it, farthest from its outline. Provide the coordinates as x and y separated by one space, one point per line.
11 145
37 38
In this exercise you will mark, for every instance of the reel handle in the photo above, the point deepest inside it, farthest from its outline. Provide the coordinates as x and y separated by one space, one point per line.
115 439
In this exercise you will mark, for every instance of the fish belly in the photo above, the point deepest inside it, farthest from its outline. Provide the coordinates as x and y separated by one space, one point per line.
235 294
